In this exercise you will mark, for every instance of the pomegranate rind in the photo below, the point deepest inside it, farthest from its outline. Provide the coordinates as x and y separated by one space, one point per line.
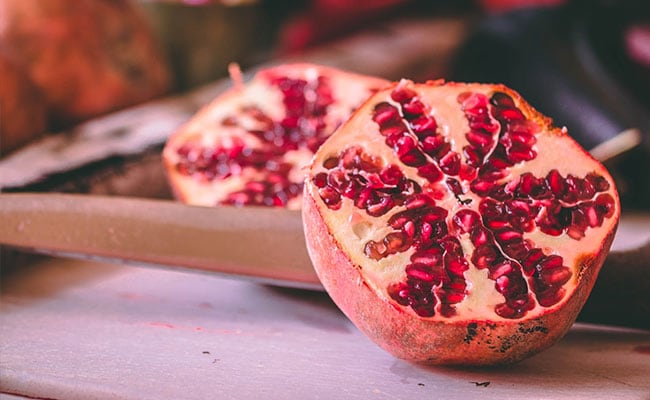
349 90
354 286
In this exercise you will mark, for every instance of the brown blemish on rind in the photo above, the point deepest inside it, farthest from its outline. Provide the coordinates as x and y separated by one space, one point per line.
471 332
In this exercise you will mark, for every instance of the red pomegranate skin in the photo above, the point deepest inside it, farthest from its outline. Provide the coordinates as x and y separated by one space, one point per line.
87 57
360 290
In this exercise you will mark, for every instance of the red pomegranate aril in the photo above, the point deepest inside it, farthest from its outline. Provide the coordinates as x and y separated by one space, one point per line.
480 236
472 157
510 114
484 256
516 249
391 175
435 146
502 100
408 152
420 272
413 108
499 239
479 139
424 127
385 113
605 205
454 186
519 152
430 172
598 182
330 196
402 94
506 235
522 138
331 162
450 163
380 208
556 183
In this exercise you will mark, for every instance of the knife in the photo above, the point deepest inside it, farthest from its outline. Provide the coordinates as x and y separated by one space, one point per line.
258 243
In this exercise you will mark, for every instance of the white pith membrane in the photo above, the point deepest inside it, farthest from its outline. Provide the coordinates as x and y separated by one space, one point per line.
207 130
352 227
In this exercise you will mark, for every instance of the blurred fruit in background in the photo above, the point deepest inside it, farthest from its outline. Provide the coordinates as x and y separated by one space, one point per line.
87 57
22 111
201 37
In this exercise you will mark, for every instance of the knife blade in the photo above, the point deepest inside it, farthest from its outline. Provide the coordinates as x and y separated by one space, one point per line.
258 243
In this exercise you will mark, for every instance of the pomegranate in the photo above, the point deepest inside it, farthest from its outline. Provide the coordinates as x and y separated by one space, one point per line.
87 57
453 224
23 114
251 145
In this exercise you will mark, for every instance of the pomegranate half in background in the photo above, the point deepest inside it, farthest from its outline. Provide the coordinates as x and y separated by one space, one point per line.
251 145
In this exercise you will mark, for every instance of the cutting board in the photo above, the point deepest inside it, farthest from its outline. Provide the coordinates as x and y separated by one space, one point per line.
74 329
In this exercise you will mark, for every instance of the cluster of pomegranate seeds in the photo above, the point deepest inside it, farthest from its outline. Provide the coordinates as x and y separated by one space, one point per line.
303 126
361 178
499 138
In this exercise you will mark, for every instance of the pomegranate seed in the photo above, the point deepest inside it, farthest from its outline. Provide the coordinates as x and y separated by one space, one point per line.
556 183
385 113
479 139
396 242
482 188
598 182
473 104
555 277
402 94
506 236
604 204
431 256
450 163
435 146
420 272
524 139
424 127
331 162
430 172
500 99
519 153
408 152
511 114
457 266
393 133
331 197
550 297
380 208
414 107
466 220
472 157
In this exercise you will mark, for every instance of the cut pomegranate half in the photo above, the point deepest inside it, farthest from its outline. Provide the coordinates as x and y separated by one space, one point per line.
251 145
453 224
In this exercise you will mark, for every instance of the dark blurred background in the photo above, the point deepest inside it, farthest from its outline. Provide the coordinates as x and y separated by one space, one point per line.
585 63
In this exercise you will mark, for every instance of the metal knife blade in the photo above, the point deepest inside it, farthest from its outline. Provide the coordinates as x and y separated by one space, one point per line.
259 243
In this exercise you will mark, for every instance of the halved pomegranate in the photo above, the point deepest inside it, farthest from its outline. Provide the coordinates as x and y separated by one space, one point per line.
251 145
453 224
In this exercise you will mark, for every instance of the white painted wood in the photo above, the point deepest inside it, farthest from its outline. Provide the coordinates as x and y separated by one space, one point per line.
80 330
